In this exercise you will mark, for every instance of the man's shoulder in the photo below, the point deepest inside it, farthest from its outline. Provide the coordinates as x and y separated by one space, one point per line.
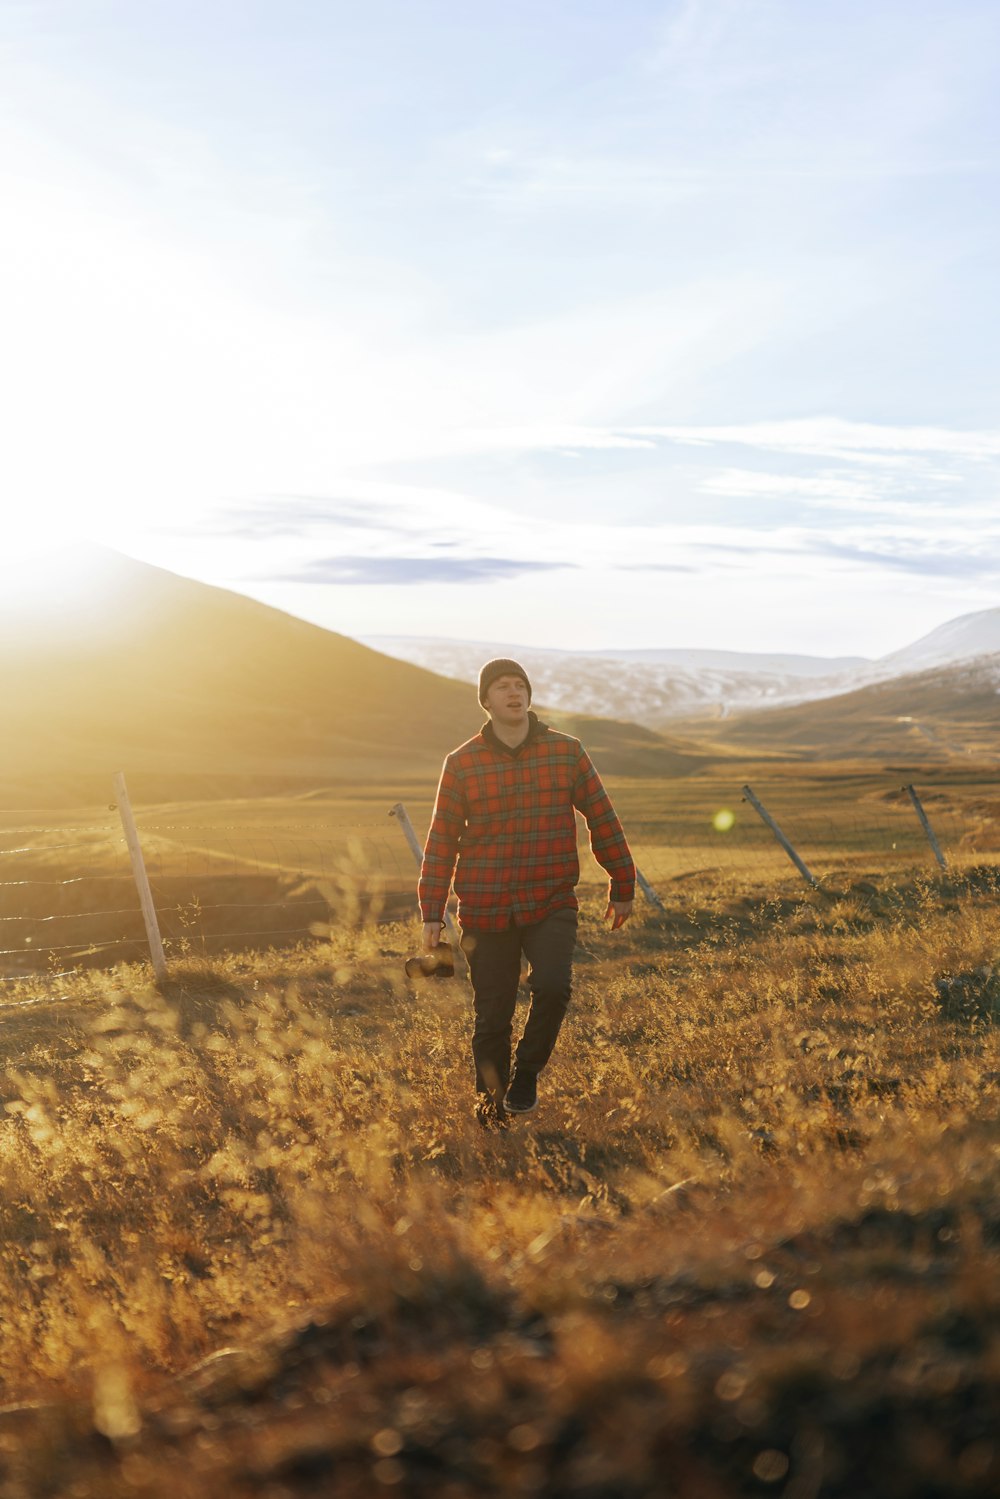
557 740
468 752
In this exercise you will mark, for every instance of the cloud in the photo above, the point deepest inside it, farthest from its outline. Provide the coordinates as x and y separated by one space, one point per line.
409 570
288 515
926 562
924 496
832 437
828 488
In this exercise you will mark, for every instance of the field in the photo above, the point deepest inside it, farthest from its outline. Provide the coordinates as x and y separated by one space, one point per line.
250 872
254 1243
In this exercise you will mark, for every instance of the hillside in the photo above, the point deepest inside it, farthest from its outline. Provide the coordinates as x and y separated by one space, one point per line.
961 639
256 1247
931 715
195 691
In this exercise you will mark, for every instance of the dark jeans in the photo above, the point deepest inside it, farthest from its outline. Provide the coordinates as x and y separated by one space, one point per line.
495 968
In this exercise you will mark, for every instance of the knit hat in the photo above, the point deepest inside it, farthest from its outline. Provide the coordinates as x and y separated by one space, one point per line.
501 667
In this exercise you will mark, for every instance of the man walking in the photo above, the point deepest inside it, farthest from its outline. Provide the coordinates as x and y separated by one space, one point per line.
505 811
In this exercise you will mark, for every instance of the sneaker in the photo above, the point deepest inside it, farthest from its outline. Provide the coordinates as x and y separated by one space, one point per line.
522 1095
488 1115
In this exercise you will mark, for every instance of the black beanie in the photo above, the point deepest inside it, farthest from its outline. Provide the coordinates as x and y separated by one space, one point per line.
501 667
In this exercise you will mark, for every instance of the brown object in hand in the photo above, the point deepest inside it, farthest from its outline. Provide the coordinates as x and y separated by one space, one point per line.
438 963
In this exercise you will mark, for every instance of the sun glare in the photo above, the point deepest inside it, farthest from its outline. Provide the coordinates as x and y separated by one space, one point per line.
42 565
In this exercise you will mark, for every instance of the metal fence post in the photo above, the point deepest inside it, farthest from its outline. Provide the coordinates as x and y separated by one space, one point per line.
141 878
648 891
403 818
765 815
925 824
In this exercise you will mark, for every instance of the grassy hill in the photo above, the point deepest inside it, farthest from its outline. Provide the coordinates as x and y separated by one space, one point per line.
925 716
254 1244
195 692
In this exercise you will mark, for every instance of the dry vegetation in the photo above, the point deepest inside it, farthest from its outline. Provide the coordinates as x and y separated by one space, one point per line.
254 1244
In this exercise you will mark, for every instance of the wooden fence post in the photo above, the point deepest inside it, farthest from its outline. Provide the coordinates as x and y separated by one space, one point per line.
925 824
139 875
403 818
765 816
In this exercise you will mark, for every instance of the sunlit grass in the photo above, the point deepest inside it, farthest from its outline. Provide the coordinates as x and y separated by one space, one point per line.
765 1164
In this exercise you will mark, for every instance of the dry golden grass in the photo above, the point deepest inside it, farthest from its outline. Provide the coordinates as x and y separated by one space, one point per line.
254 1243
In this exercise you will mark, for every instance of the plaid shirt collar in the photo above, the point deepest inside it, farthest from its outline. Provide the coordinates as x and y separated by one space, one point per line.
535 731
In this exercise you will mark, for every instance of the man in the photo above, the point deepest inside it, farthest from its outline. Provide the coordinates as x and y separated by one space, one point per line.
505 811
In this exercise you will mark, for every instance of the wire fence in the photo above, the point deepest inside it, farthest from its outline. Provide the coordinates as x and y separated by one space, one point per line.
734 840
67 904
68 896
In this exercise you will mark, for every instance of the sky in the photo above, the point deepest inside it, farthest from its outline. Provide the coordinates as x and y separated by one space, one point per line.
551 322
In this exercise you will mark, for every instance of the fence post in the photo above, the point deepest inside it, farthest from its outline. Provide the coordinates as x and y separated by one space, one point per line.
931 839
648 891
765 815
139 875
403 818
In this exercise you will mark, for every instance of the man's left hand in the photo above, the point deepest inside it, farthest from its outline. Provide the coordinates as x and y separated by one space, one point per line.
621 910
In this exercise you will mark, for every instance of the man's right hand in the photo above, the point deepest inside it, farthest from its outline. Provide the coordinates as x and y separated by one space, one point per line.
432 935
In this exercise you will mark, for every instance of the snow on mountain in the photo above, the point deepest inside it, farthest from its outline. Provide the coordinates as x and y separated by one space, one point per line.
657 686
784 664
960 639
636 685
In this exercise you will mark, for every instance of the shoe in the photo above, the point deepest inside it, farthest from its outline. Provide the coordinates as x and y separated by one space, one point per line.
522 1095
488 1115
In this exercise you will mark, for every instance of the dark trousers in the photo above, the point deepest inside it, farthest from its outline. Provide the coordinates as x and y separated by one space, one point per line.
495 968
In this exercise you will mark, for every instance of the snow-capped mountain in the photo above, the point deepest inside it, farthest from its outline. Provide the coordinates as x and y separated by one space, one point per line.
961 639
653 688
658 686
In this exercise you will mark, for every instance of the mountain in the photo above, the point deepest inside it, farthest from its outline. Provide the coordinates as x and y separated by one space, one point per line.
932 715
424 648
194 691
671 689
961 639
654 688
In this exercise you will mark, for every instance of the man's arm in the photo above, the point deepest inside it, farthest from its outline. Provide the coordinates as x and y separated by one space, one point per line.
440 852
607 837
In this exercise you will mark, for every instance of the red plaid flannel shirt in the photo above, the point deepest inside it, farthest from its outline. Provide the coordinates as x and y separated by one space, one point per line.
509 822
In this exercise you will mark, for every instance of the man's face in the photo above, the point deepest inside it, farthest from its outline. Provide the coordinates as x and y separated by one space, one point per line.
507 699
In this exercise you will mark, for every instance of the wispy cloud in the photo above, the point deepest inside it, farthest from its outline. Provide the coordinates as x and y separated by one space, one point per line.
411 570
842 490
975 562
832 437
924 495
290 515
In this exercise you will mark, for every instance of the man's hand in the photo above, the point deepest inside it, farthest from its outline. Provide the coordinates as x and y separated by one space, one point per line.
432 935
621 909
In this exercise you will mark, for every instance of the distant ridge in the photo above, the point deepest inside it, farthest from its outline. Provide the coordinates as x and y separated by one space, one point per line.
941 713
428 647
655 688
674 690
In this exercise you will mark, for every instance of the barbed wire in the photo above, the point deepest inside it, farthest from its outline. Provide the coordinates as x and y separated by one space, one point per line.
358 870
70 915
79 879
27 978
281 931
84 947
